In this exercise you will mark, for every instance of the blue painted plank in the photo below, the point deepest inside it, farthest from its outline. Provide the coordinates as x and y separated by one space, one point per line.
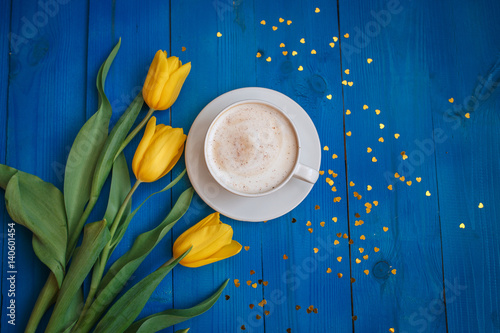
303 279
144 29
392 34
464 48
4 79
46 104
218 65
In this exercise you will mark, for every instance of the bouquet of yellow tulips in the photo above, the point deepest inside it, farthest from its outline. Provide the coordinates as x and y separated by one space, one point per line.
58 219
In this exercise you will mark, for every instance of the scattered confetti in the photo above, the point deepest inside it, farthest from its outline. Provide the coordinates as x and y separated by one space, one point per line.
381 126
451 100
249 282
365 107
358 260
391 330
275 28
347 71
385 229
322 172
402 178
251 306
301 68
408 183
467 115
375 203
236 283
335 242
396 135
252 272
294 220
369 60
368 150
334 156
348 112
315 250
317 10
262 303
381 139
348 133
329 96
183 48
254 285
258 55
258 317
267 312
351 183
313 51
247 248
346 36
328 270
350 83
310 230
362 237
288 22
480 205
462 226
389 187
418 179
428 193
339 259
243 327
263 22
368 187
281 20
339 275
374 159
302 40
268 59
365 257
294 53
322 223
361 250
377 112
334 219
282 45
344 82
316 207
297 307
335 39
219 34
376 249
393 271
332 45
366 271
354 318
285 257
285 53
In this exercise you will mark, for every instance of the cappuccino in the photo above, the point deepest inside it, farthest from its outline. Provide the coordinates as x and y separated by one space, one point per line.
251 148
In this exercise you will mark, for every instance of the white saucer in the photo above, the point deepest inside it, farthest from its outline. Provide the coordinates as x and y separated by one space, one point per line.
269 206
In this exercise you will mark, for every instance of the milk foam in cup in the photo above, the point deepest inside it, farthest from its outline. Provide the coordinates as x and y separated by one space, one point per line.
252 149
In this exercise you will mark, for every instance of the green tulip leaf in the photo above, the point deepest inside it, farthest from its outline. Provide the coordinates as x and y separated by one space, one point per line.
120 187
85 151
121 270
123 226
127 308
185 330
113 143
162 320
95 237
6 173
39 206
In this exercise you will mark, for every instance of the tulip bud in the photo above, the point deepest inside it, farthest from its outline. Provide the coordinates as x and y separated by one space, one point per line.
211 241
158 152
164 81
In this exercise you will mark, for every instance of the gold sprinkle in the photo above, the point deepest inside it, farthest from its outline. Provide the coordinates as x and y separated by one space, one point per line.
334 219
357 215
462 226
381 126
302 40
281 20
362 237
236 283
294 53
339 259
310 230
350 83
368 187
315 250
252 272
396 135
348 133
219 34
322 172
346 36
365 257
358 260
339 275
251 306
375 203
377 112
308 223
451 100
183 48
301 68
285 257
344 82
288 22
328 270
316 10
368 150
348 112
480 205
418 179
267 312
282 45
428 193
393 271
376 249
297 307
332 44
247 248
249 282
391 330
322 223
316 207
347 71
351 183
326 148
258 317
353 280
313 51
345 236
408 183
365 107
361 250
467 115
374 159
329 96
258 55
334 156
268 59
369 60
335 39
263 22
396 175
275 28
366 271
351 242
385 229
381 139
389 187
402 178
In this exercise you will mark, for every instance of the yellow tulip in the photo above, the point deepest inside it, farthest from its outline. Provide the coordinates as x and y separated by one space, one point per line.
211 241
158 152
164 81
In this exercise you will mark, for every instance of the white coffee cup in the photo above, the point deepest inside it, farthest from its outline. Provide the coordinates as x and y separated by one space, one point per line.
295 170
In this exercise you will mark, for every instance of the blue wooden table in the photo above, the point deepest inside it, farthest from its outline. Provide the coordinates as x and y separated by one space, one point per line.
405 218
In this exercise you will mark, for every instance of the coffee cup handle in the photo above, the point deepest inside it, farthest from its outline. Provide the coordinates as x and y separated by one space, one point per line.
306 173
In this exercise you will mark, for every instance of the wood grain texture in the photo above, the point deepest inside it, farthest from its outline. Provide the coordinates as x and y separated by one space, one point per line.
302 280
46 104
396 83
218 65
464 49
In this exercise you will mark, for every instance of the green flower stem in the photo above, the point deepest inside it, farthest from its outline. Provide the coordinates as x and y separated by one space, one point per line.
103 258
135 131
45 299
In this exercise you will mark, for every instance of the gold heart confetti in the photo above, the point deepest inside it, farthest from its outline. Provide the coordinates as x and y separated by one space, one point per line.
375 203
335 39
396 135
322 223
419 179
258 55
328 270
317 10
275 28
408 183
326 148
339 275
329 96
335 242
368 150
385 229
236 283
376 249
285 53
339 259
313 51
334 219
337 199
316 250
334 156
268 59
288 22
249 282
402 178
451 100
358 261
374 159
247 248
381 126
310 230
344 82
377 112
348 133
294 53
281 20
369 60
480 205
282 45
389 187
362 237
366 271
361 250
254 285
381 139
302 40
467 115
285 257
365 107
428 193
308 223
346 36
183 49
350 83
348 112
396 175
351 183
368 187
462 226
332 45
347 71
219 34
393 271
263 22
301 68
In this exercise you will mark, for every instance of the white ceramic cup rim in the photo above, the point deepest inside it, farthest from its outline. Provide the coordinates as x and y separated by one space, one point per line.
297 163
